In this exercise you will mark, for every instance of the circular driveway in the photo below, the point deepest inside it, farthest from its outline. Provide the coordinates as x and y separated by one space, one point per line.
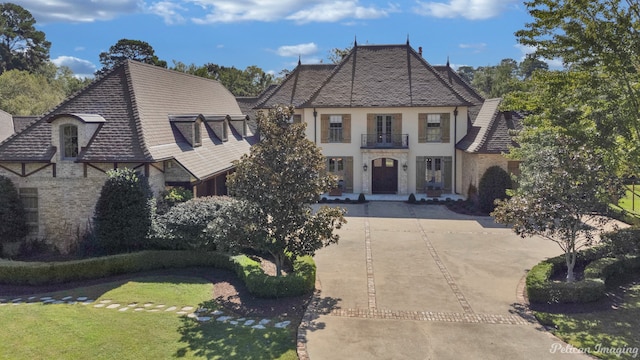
421 282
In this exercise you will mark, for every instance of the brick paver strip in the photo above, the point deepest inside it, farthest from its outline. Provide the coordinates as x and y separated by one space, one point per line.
371 285
466 307
385 314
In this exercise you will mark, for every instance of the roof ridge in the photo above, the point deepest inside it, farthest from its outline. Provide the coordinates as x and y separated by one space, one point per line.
485 129
464 83
135 111
438 76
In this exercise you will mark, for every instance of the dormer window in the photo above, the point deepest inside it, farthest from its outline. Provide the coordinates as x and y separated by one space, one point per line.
69 141
197 133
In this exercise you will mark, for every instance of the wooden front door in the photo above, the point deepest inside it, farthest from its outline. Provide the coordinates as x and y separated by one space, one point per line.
384 176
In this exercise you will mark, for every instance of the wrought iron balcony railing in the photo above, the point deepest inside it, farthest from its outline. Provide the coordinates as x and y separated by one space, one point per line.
393 141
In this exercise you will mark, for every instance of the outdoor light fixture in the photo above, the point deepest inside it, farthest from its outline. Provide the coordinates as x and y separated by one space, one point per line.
405 166
365 167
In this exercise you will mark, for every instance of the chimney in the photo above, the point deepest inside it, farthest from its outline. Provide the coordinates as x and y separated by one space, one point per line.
420 50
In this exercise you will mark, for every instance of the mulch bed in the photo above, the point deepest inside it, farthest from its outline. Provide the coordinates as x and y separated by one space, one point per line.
228 291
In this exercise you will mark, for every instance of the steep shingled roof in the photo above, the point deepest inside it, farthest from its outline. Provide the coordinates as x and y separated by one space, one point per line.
491 131
136 100
385 76
298 86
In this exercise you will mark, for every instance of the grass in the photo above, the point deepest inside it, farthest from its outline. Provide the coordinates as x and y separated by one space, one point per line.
631 201
609 334
36 331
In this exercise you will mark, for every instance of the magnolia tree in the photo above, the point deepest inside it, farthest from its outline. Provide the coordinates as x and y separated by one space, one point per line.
562 187
280 179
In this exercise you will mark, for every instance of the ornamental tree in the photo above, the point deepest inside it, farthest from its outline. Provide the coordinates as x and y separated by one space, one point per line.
562 187
282 176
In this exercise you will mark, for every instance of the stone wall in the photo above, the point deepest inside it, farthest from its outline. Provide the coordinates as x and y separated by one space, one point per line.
66 202
475 165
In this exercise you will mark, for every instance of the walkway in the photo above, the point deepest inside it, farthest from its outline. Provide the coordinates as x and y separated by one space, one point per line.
421 282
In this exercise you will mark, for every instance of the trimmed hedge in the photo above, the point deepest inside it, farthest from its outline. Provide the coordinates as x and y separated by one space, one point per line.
258 283
591 288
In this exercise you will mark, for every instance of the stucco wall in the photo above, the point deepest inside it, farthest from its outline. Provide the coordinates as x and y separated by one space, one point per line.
406 179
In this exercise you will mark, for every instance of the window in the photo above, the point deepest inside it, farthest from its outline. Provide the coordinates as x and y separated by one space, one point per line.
434 172
29 197
197 134
335 128
434 133
342 168
69 141
295 119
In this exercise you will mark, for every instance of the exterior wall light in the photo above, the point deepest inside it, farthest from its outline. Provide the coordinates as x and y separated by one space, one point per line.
405 166
365 167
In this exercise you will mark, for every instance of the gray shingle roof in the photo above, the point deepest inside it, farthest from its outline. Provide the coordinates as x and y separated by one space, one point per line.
491 131
297 87
385 76
135 101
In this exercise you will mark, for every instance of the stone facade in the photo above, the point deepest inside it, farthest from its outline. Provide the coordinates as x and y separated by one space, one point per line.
66 202
475 165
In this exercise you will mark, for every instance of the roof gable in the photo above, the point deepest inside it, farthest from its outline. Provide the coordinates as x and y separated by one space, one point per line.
491 131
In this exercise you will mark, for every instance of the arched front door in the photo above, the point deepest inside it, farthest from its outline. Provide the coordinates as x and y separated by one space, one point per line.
384 176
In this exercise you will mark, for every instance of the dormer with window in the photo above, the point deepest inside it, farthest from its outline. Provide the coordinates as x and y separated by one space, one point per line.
219 124
189 126
71 133
239 123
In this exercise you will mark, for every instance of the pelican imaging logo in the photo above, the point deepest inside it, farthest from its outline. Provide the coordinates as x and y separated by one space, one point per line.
598 348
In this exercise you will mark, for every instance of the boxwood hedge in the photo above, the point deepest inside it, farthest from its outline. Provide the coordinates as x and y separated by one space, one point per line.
591 288
301 281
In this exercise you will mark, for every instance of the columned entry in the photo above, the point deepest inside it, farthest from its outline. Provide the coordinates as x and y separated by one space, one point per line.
384 176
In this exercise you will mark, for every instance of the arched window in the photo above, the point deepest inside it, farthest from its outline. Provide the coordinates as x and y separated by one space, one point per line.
69 141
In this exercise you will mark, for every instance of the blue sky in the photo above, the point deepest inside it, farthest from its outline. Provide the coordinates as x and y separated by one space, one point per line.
272 34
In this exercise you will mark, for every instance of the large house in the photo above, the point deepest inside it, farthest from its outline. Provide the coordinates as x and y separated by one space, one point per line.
390 123
175 128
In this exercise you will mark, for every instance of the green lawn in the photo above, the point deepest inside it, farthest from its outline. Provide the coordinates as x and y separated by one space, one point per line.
630 202
609 334
63 331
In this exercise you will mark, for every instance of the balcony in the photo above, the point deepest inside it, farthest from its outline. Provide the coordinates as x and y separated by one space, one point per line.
385 141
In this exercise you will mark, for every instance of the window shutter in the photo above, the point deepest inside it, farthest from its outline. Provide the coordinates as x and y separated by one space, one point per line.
445 127
422 128
420 173
348 173
447 172
396 125
371 123
324 125
346 128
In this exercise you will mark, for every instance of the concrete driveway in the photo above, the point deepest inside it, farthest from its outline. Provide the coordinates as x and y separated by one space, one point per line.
421 282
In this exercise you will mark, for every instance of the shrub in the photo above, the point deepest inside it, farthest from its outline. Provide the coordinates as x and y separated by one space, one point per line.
13 224
592 288
493 185
412 199
361 198
123 213
184 226
301 281
171 197
623 241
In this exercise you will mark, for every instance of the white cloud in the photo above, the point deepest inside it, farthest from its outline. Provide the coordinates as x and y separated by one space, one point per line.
477 48
468 9
226 11
297 50
338 10
80 67
79 10
554 64
168 11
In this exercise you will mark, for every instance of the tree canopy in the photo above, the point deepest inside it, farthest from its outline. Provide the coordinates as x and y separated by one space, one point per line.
563 190
599 42
282 176
22 47
124 49
248 82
